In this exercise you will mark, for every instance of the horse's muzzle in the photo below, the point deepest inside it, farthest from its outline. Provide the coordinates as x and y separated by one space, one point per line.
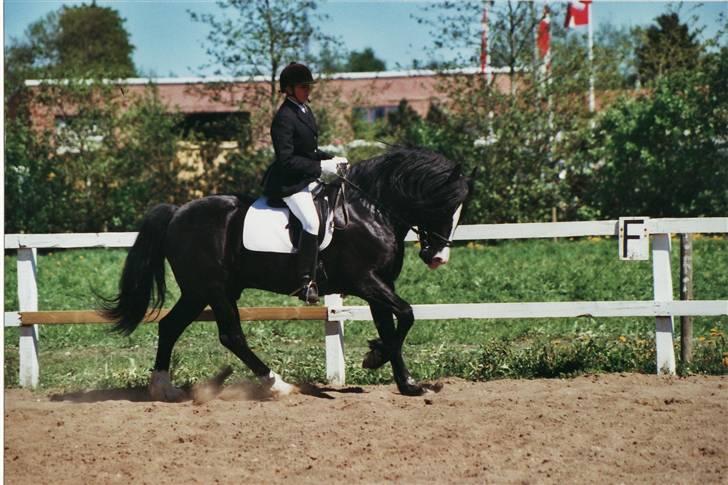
434 261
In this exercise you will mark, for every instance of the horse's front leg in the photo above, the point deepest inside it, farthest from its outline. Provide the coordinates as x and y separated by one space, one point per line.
392 340
384 302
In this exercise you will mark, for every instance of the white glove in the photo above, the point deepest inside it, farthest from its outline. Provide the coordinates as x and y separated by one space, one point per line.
341 165
328 167
333 165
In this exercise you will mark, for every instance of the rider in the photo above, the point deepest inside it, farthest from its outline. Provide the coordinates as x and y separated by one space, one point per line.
297 168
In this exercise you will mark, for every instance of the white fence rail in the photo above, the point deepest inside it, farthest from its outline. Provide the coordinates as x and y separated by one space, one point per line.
662 307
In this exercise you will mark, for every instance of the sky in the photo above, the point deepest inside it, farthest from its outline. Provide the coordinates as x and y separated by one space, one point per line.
169 44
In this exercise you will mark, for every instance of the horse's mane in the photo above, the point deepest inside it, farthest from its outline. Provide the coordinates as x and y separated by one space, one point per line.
418 184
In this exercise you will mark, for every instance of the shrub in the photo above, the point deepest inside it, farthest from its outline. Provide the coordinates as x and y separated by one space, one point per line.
662 154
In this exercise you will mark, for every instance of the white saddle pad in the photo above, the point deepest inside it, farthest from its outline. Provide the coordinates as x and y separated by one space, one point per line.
266 229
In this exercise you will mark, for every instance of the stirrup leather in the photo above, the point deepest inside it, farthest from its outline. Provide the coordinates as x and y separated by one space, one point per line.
310 293
307 293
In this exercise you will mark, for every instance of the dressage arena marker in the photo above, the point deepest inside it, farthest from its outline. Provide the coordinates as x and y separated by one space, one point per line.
335 313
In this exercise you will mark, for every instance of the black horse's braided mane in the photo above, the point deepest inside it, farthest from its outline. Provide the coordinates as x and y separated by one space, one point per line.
419 184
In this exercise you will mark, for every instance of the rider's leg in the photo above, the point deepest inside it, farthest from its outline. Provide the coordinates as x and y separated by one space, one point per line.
302 206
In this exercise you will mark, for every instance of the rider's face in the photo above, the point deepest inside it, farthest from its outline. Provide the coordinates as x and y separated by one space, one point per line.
301 92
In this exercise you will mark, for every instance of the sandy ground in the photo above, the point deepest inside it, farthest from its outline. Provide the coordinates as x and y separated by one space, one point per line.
607 428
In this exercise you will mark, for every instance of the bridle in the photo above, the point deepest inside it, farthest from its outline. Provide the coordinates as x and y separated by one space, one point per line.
421 233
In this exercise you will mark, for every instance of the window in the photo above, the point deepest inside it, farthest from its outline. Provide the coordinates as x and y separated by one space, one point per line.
77 132
216 126
374 113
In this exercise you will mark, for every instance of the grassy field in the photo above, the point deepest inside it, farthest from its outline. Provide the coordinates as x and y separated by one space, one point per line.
89 356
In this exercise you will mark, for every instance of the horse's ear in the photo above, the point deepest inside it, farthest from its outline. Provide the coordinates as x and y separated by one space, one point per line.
471 180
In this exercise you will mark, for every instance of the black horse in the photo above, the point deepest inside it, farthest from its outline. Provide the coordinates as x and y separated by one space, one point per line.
202 240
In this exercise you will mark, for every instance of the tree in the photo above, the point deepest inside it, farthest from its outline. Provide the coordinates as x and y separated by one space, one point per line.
614 57
34 54
83 41
65 177
92 42
507 131
72 42
331 59
32 188
664 153
402 123
365 61
666 47
259 38
457 31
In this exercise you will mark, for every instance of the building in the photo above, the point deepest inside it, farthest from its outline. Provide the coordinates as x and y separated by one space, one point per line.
371 94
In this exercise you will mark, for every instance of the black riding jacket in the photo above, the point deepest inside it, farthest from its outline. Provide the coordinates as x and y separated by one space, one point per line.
295 141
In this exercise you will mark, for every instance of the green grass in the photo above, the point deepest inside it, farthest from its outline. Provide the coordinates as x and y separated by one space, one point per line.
89 356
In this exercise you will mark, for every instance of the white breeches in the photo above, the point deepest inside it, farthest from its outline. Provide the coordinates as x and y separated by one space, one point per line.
302 206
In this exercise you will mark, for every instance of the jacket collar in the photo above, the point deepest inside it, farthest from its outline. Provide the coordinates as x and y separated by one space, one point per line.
299 106
307 117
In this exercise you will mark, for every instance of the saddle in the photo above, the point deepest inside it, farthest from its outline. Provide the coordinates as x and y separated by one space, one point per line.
271 227
321 198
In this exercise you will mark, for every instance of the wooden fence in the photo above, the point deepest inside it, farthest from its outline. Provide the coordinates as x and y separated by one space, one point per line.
335 313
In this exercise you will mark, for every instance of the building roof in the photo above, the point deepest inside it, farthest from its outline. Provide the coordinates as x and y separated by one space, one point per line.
246 79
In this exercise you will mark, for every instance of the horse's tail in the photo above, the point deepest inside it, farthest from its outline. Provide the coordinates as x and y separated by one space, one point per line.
143 271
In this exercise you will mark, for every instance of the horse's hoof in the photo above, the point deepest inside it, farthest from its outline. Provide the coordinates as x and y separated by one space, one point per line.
376 357
161 388
278 387
205 391
410 389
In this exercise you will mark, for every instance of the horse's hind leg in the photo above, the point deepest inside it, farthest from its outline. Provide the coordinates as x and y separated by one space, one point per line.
170 329
232 337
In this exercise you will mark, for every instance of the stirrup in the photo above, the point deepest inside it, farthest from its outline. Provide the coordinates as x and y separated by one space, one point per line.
308 293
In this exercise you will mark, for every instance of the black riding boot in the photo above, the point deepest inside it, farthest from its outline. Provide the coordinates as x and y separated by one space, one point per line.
306 265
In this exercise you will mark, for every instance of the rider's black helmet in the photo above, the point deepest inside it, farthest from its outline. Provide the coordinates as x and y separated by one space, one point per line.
295 73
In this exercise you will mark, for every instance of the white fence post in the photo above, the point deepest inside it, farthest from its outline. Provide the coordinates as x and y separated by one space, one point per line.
662 281
28 301
335 364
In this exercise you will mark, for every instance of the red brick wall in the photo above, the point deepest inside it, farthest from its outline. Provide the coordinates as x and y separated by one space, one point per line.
356 90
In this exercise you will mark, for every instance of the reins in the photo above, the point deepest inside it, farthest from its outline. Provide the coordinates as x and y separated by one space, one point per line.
382 208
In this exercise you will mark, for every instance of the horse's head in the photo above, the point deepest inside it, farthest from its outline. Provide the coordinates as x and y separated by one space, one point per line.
435 241
436 236
418 188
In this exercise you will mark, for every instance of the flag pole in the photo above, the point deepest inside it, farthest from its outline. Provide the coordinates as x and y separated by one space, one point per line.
549 79
592 103
485 52
536 56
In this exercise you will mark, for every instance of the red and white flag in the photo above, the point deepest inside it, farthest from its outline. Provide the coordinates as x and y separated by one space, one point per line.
544 33
484 40
577 13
